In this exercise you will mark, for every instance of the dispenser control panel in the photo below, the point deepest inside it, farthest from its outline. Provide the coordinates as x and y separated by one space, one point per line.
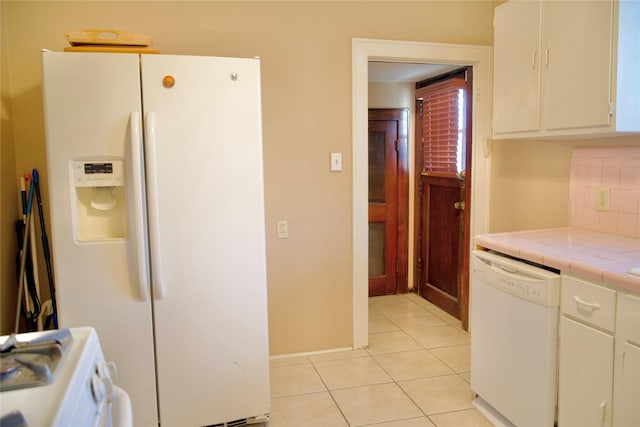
98 173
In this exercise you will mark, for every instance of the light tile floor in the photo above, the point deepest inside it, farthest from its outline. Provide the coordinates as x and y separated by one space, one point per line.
415 373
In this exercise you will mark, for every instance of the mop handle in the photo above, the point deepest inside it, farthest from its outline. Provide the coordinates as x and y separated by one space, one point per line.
23 260
45 250
45 239
23 199
23 196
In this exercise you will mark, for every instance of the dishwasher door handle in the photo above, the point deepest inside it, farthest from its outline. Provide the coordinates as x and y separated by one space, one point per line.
507 269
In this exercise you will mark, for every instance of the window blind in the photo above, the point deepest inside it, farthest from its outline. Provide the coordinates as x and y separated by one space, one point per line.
442 125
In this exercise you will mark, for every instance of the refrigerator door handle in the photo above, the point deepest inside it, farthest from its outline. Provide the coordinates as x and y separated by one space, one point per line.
138 204
154 212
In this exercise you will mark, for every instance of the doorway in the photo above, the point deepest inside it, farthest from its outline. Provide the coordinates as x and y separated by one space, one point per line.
388 200
363 51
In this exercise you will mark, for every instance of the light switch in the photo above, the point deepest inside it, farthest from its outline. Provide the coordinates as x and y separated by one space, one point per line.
336 162
282 229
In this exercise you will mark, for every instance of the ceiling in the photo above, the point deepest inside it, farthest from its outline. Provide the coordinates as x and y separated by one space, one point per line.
405 72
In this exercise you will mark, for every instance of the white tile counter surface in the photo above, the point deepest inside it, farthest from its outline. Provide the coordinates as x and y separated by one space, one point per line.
590 254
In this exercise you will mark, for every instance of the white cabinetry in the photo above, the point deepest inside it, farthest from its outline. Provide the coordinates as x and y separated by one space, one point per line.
516 66
566 68
626 394
586 349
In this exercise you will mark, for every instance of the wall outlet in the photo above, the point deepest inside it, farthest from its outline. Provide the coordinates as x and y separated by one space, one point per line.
602 198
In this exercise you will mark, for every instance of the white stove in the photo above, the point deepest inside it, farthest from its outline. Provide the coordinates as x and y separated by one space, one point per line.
60 378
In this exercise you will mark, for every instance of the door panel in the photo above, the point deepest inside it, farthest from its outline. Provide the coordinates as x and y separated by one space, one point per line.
442 225
388 200
383 212
443 196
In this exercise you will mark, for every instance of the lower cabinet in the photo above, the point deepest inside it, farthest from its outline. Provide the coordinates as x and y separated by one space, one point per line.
598 356
585 375
626 392
586 353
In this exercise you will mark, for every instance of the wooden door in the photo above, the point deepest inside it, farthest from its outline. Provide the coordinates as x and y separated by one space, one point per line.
443 160
388 201
443 222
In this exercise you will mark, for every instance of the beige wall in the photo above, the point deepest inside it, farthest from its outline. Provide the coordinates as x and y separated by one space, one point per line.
530 181
306 76
391 95
529 185
8 196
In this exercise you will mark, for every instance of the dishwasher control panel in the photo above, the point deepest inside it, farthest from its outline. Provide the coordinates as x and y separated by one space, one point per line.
534 290
517 278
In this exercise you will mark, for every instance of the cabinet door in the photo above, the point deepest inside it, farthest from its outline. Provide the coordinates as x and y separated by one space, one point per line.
585 376
627 392
576 76
516 79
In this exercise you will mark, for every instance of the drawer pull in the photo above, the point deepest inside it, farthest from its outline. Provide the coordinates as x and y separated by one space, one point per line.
590 305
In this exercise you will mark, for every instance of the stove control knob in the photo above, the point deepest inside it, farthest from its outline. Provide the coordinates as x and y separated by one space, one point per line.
107 369
101 387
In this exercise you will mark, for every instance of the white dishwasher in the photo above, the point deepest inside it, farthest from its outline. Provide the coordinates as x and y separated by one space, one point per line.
514 340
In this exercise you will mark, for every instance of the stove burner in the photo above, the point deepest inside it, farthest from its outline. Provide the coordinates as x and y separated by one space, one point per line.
8 368
32 363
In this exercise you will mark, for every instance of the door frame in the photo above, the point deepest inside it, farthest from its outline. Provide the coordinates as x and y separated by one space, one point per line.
365 50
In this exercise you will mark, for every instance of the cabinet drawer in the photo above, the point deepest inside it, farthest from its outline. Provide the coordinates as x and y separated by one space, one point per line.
590 303
628 323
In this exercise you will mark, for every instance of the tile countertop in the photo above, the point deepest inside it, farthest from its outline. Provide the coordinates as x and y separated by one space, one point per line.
592 255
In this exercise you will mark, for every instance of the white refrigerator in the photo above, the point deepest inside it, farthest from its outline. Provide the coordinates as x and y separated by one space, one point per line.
155 179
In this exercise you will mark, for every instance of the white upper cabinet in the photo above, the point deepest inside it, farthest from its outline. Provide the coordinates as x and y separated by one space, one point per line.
516 67
576 64
566 68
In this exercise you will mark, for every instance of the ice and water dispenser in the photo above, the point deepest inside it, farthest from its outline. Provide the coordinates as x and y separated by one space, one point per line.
100 209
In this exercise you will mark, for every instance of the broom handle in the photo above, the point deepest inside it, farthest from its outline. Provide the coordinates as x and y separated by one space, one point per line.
23 260
45 250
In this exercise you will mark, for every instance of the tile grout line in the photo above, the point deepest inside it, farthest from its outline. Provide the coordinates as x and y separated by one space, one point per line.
424 348
455 373
403 304
333 399
402 389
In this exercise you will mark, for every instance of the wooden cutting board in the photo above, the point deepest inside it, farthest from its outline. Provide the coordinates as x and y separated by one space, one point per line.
110 49
107 37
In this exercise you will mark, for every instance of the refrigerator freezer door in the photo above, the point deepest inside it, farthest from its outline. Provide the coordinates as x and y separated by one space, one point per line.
211 323
88 101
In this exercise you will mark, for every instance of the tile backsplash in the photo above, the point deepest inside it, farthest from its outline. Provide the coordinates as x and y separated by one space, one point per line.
616 169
